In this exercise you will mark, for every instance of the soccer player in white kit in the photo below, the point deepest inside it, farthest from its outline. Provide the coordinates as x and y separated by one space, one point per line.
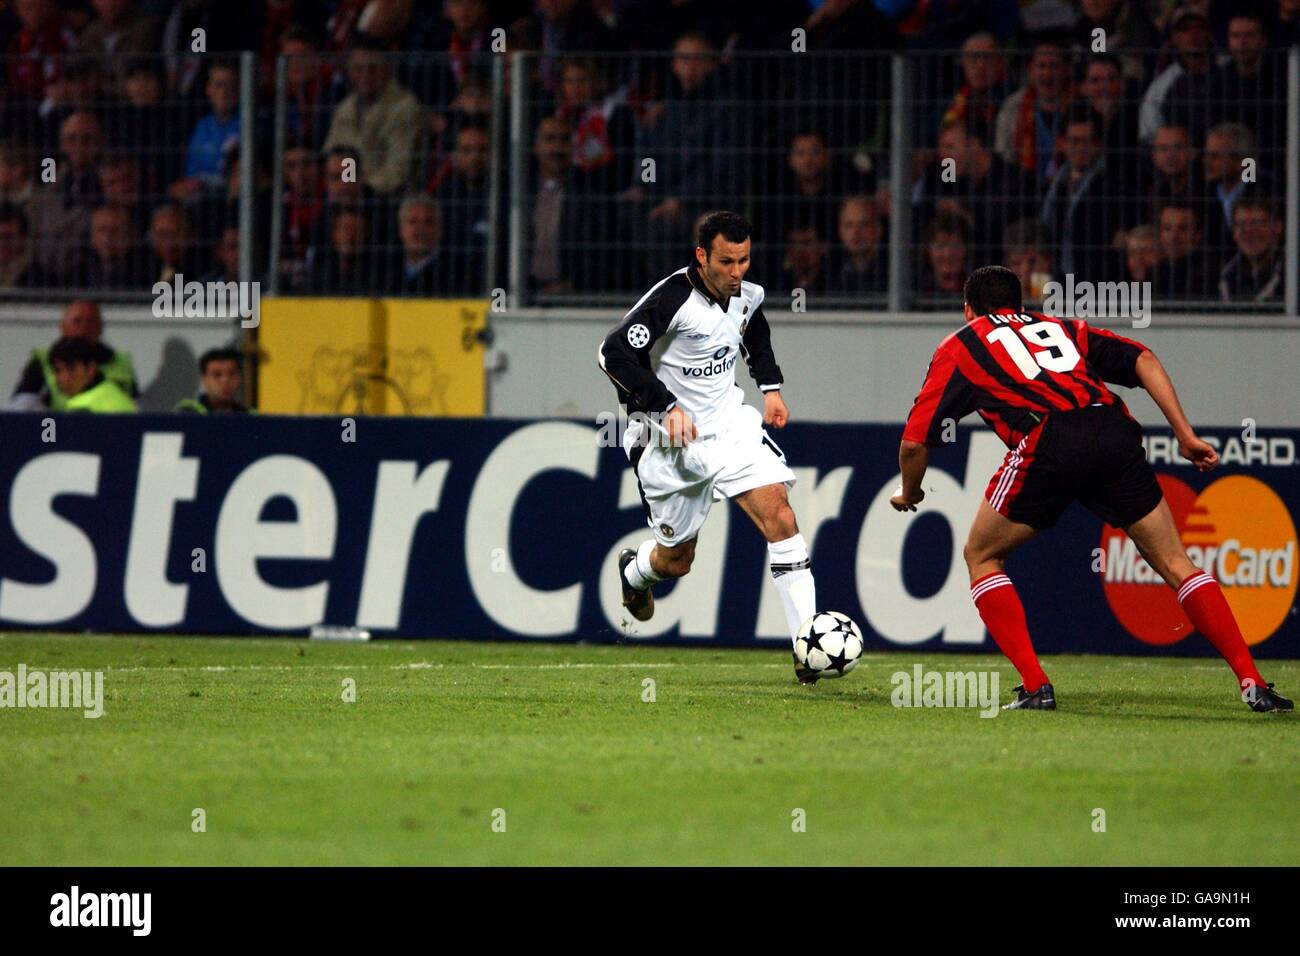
691 438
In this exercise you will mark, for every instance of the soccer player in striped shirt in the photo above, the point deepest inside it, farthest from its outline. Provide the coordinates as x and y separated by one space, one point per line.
1040 383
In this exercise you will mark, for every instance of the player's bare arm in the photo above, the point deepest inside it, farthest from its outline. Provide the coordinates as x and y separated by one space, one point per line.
913 460
1160 387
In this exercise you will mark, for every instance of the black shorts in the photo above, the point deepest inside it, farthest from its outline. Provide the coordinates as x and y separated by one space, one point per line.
1091 455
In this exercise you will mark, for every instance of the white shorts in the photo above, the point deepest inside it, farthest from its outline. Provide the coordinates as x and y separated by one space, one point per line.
679 485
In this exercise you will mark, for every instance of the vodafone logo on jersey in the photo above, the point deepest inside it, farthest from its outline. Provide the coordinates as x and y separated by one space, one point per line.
1236 528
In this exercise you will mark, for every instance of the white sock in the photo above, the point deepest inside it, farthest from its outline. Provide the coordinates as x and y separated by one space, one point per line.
638 573
793 578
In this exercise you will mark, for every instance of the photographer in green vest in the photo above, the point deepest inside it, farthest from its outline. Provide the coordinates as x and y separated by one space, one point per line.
75 366
220 380
38 388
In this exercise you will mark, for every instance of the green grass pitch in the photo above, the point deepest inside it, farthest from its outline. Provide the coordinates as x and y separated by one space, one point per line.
255 733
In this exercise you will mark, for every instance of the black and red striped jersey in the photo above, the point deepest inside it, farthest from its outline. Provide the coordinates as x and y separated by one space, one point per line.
1014 368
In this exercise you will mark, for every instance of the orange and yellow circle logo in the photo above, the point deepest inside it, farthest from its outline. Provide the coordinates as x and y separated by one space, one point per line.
1237 529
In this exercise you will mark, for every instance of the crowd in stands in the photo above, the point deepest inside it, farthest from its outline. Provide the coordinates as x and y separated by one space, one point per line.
120 161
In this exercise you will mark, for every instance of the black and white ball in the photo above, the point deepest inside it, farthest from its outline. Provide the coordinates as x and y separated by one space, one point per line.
829 643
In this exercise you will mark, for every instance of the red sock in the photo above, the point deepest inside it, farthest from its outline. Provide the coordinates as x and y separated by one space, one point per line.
1208 610
1000 608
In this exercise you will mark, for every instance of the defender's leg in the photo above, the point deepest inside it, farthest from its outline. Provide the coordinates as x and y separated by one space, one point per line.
992 538
1157 539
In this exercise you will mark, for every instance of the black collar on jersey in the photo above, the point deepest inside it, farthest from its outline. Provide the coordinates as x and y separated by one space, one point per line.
697 282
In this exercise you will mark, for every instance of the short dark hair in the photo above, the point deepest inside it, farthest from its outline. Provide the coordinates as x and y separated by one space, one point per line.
217 355
990 288
67 351
1183 205
732 226
1258 201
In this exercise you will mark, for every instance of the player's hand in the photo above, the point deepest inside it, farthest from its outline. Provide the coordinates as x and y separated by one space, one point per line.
775 413
904 502
1199 453
679 427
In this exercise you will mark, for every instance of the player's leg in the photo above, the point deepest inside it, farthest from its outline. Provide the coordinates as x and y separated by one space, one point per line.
1157 539
769 508
675 512
992 538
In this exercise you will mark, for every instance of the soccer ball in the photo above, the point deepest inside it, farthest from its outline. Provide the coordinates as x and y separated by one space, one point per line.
829 643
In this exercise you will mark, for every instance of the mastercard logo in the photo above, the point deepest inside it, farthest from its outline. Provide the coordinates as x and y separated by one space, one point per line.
1238 530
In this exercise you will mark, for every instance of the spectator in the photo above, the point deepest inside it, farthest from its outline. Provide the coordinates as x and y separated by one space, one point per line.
1174 174
1250 88
1104 91
1184 269
345 188
215 131
983 188
35 53
78 89
1034 116
120 186
118 34
464 201
115 261
1226 146
858 263
381 119
812 184
1130 34
308 96
1286 31
220 383
39 388
1140 254
566 26
1193 46
225 257
805 266
145 125
1026 254
74 363
548 252
81 143
18 268
337 268
170 244
984 86
303 203
946 255
42 207
221 30
601 126
1083 210
1254 274
687 134
423 267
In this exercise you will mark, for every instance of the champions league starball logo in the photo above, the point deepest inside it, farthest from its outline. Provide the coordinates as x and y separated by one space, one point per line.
1239 531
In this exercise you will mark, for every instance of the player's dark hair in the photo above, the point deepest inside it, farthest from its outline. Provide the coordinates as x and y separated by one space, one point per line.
217 355
68 351
732 226
990 288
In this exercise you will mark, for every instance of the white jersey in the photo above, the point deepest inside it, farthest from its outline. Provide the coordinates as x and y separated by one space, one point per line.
704 335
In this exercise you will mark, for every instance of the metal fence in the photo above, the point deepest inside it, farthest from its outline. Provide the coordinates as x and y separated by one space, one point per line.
874 180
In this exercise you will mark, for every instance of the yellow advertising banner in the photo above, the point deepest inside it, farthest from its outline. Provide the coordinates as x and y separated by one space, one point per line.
372 356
